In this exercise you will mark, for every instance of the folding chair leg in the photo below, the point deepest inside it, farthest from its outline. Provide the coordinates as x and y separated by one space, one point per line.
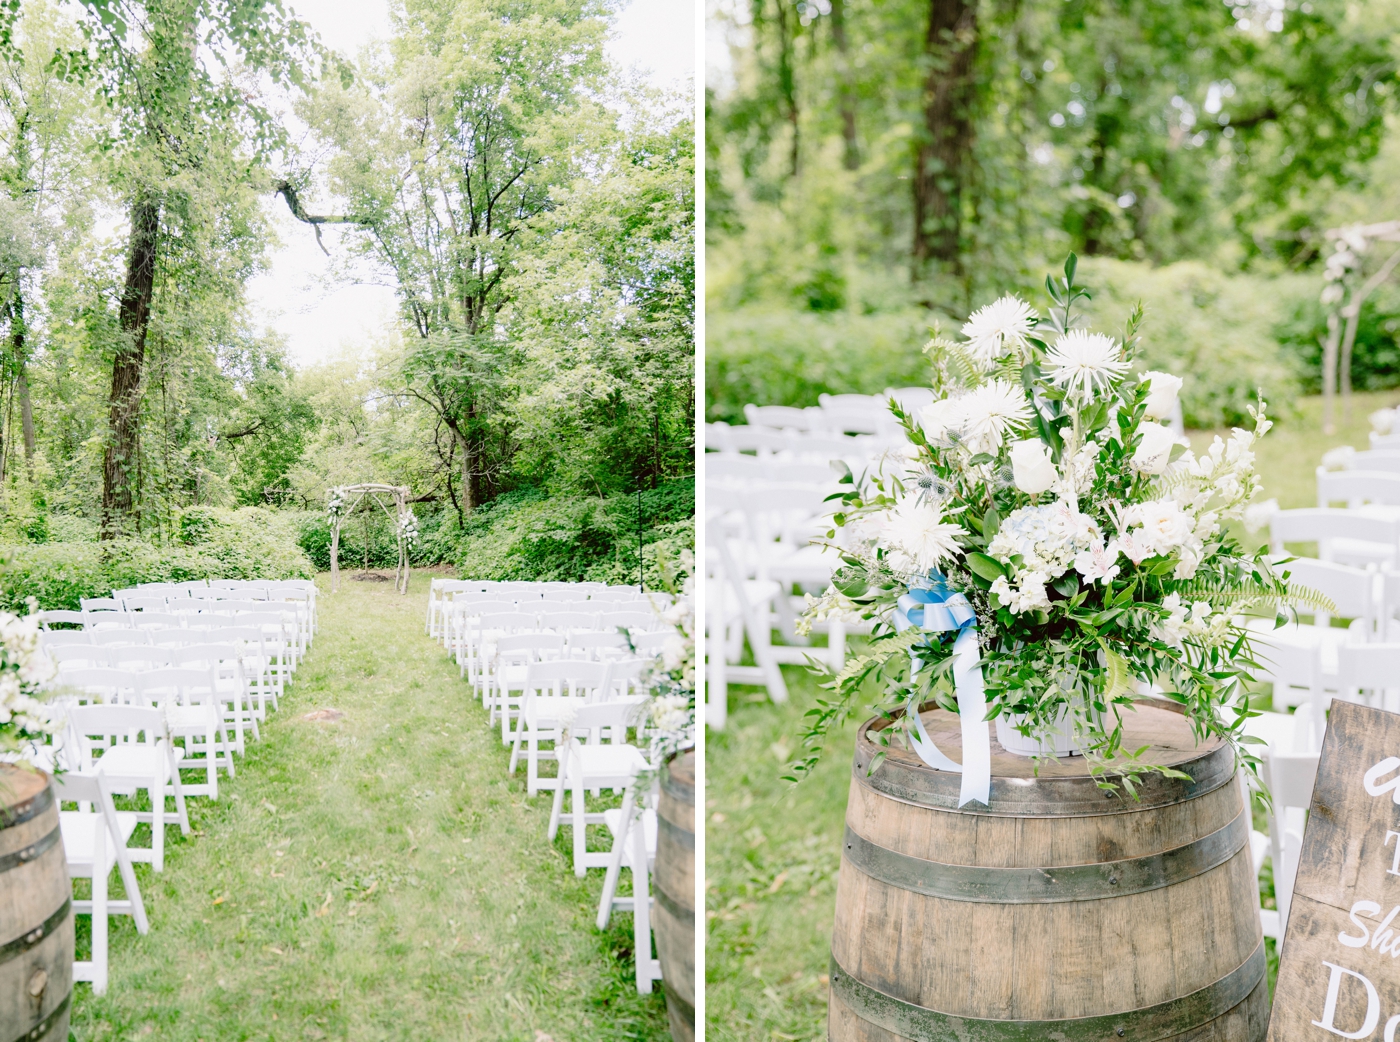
580 827
99 919
605 905
648 969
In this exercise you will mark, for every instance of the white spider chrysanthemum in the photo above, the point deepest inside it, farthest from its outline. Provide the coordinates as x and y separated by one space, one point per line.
918 537
1082 363
990 329
989 411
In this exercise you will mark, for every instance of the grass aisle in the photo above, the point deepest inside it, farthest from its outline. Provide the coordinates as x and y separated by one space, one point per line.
380 877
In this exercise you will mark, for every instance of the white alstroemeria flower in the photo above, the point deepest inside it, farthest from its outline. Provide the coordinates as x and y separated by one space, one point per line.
1154 452
1098 562
918 537
989 330
989 411
1031 465
1029 596
1161 398
1081 363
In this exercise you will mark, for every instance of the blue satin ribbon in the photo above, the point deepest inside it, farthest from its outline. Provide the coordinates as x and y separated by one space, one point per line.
936 609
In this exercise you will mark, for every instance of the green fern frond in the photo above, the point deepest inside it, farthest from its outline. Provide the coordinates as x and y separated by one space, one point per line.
960 366
1244 595
1305 596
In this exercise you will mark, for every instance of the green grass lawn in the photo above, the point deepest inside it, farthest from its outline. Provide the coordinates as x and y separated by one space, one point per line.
773 850
379 877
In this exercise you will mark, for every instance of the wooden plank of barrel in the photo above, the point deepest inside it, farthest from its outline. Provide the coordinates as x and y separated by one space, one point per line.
36 917
1061 912
673 915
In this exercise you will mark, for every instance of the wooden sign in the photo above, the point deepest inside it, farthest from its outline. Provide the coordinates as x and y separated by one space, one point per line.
1339 976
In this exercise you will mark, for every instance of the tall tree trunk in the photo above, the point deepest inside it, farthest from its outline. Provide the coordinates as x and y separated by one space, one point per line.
787 80
18 353
846 95
469 497
941 160
124 401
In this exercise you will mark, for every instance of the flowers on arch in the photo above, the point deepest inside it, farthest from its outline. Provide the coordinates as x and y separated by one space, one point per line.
26 716
408 527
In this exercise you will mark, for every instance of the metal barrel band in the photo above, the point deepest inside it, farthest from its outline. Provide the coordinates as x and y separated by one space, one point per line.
683 1007
1148 1024
666 901
920 785
30 938
41 1029
1047 885
684 837
29 853
27 810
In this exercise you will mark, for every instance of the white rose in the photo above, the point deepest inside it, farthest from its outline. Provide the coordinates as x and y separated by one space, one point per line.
1154 453
1165 526
937 418
1032 466
1161 399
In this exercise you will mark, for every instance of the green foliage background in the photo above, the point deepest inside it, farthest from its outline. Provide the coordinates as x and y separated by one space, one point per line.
540 371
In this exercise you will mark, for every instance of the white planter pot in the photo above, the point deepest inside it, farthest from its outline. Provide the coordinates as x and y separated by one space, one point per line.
1059 741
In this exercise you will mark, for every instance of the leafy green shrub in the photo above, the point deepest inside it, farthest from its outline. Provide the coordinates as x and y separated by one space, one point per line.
1216 330
1375 356
790 358
250 543
527 535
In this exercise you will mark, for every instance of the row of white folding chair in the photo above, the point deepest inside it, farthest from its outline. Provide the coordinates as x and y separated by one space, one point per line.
441 591
478 625
293 616
265 666
208 701
458 607
279 631
562 698
505 676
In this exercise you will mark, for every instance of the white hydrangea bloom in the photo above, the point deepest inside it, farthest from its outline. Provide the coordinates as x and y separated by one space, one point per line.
1040 544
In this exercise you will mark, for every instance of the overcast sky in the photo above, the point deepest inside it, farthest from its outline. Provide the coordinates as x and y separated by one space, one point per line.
321 318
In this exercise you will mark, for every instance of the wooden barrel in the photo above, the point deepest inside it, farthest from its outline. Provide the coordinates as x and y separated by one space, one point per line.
673 912
36 912
1061 912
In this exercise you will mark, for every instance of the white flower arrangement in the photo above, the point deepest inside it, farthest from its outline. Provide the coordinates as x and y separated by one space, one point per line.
670 680
335 504
408 527
1043 508
25 717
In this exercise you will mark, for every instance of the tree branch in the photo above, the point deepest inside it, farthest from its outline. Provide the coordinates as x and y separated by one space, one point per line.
286 190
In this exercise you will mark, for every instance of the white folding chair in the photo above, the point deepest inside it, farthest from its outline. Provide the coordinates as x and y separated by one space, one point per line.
514 652
1290 777
131 746
59 617
1355 487
193 714
634 830
596 765
95 838
550 694
1342 536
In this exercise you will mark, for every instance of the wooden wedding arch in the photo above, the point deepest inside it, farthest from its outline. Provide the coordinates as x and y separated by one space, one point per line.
345 500
1343 295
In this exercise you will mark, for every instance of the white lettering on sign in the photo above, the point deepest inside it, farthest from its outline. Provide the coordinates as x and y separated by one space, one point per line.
1334 988
1373 776
1394 869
